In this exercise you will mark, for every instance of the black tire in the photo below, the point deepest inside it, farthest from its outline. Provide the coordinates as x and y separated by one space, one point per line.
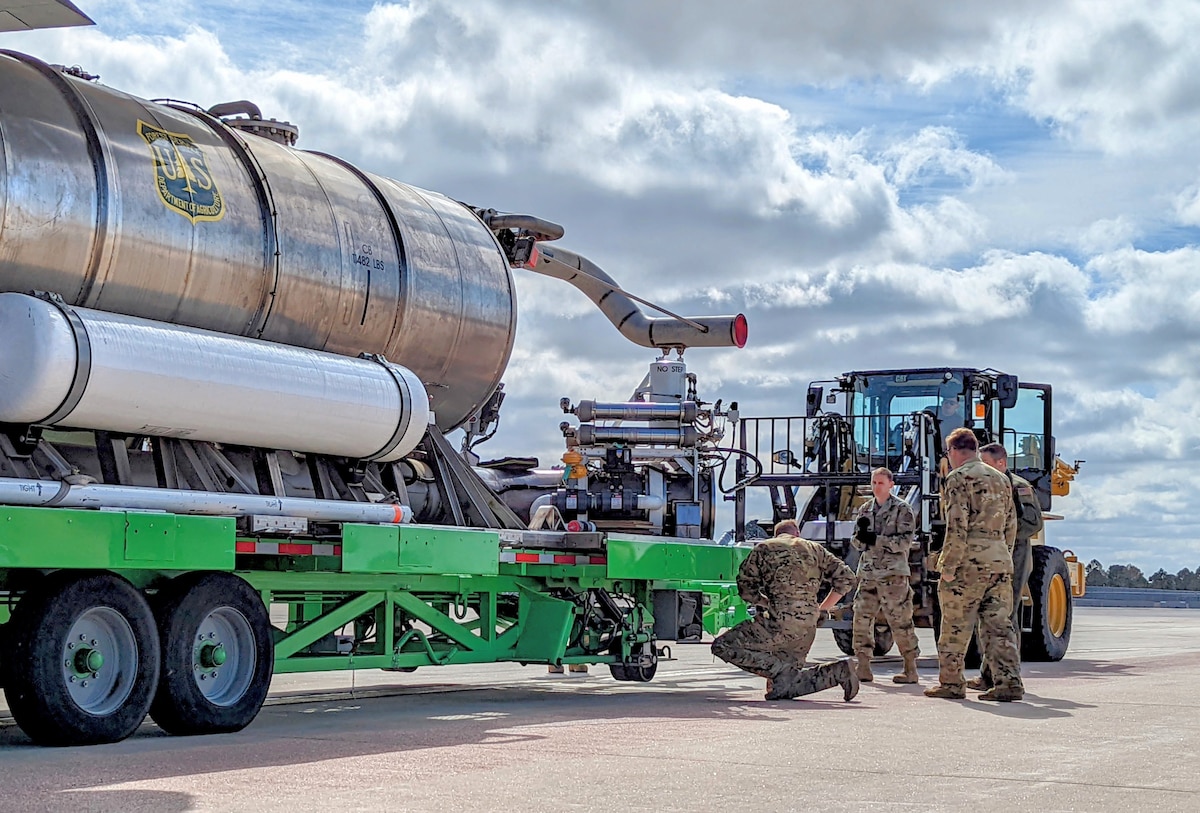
82 660
883 640
1050 587
217 655
844 640
631 671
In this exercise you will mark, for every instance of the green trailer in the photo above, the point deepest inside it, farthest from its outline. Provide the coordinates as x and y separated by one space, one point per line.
113 614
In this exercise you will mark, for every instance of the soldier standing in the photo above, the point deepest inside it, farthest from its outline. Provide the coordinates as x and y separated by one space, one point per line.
976 568
1029 523
883 532
781 577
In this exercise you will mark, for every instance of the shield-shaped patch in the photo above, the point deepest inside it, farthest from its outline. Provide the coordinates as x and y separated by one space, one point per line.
181 174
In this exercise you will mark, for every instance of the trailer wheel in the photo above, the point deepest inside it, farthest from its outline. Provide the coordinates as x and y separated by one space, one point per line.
633 671
1050 588
82 660
217 653
883 640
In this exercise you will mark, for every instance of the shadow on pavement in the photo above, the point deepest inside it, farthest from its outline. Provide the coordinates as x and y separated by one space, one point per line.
118 801
1079 668
350 727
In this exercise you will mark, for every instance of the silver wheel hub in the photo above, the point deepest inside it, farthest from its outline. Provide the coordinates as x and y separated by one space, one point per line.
223 656
100 661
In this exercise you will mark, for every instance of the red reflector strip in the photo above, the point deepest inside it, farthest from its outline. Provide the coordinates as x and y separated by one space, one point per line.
287 548
529 558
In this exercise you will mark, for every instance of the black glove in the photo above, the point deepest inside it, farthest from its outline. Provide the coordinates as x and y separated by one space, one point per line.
937 539
863 532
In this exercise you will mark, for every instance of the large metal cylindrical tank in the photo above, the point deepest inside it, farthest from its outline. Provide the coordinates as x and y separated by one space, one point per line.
164 212
74 367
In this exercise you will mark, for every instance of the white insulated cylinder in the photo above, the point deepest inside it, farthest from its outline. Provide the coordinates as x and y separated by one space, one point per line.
86 369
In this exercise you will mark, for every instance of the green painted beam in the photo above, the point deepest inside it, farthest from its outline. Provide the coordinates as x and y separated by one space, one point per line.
420 610
404 549
651 559
330 622
53 538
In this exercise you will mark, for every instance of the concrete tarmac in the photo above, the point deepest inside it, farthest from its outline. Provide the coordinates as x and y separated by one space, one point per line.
1115 726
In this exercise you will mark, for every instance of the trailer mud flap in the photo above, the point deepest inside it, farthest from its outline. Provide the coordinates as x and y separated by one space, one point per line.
545 627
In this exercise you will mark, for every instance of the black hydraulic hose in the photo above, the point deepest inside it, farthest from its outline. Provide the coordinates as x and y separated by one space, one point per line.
745 481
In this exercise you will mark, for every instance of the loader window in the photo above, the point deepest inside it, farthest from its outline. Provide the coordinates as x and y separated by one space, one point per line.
882 405
1025 430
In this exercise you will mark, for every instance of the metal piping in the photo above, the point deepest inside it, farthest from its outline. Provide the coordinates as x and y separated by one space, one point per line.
681 412
177 501
621 309
243 106
540 228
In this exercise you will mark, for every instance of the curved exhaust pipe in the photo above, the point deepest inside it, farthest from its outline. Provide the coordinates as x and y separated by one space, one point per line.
620 307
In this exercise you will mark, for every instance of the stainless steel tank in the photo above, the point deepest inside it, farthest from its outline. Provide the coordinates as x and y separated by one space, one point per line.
164 212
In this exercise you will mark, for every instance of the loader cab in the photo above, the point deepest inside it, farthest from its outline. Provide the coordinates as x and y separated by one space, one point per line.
890 409
895 414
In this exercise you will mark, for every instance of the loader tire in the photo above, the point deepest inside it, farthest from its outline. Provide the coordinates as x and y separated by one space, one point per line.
1050 589
883 640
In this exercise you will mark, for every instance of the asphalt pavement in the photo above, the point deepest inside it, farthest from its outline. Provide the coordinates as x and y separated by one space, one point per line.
1115 726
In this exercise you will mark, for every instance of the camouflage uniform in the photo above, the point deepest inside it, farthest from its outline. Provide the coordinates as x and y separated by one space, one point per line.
883 577
781 576
1029 523
981 527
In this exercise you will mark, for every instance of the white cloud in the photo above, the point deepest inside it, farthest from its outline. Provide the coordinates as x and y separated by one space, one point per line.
1187 206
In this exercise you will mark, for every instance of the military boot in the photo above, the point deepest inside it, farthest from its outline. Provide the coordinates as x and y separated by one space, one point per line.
862 667
951 685
1005 694
909 675
849 681
983 682
811 679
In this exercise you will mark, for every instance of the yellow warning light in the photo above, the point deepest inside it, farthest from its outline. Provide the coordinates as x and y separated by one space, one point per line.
981 410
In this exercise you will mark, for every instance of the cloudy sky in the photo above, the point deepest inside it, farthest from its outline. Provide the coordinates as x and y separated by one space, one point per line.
913 183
